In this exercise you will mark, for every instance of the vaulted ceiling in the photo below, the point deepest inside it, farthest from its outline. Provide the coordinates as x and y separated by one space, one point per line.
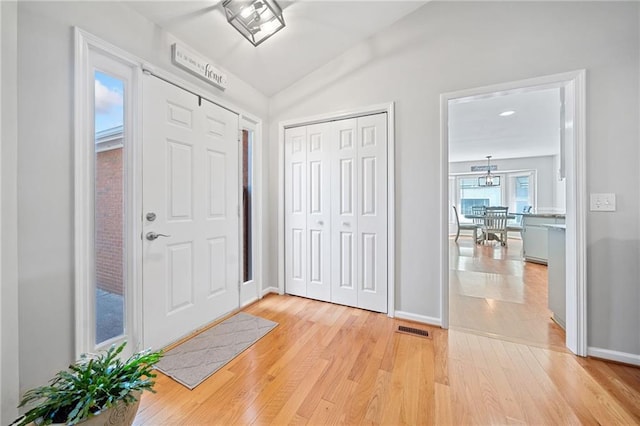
315 33
318 31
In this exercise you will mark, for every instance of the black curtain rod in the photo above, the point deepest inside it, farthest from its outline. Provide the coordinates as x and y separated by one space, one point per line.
200 97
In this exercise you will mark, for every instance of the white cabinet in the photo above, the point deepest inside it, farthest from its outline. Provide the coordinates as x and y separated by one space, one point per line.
535 235
557 274
336 211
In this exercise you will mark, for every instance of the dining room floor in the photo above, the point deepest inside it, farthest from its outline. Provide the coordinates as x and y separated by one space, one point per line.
494 292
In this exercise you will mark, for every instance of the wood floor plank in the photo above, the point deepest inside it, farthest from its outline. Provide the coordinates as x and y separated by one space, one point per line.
322 413
301 365
620 382
547 394
426 402
329 364
523 385
492 291
378 398
442 405
441 358
497 382
311 375
567 377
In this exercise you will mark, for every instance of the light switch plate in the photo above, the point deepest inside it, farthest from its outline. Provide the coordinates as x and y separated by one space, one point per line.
603 202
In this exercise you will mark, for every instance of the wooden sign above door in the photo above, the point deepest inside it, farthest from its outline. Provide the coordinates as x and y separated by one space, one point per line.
197 65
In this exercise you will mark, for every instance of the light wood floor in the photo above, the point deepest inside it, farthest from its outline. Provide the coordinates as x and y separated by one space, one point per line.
329 364
494 292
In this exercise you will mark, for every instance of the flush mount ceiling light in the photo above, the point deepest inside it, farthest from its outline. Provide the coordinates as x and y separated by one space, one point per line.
506 113
489 179
256 20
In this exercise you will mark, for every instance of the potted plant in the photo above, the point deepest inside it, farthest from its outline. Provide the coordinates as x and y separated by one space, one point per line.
96 386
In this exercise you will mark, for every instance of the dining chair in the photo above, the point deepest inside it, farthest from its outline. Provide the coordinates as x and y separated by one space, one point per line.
516 226
495 224
478 211
464 226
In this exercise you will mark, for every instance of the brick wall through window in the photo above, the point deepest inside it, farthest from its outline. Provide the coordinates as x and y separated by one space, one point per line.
109 220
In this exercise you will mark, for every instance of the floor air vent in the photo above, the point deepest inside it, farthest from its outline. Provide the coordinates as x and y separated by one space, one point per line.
413 331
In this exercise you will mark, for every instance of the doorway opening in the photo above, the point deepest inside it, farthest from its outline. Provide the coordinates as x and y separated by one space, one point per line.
493 266
492 289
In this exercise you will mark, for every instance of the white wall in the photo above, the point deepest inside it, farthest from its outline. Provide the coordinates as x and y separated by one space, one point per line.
546 177
450 46
8 226
45 162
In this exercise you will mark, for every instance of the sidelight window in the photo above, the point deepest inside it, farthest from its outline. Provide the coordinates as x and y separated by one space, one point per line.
109 207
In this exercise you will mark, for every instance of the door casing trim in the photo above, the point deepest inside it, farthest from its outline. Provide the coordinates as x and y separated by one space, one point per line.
254 124
576 275
84 193
83 222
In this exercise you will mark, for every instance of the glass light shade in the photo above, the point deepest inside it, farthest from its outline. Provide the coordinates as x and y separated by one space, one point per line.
256 20
489 180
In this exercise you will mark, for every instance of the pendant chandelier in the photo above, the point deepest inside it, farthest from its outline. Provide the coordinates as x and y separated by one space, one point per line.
256 20
489 179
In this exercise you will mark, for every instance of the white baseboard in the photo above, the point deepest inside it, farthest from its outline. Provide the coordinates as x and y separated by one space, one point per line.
418 318
248 302
610 355
268 290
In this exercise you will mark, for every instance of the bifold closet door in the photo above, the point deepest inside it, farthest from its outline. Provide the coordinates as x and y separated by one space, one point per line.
295 201
371 210
308 211
344 239
359 213
336 212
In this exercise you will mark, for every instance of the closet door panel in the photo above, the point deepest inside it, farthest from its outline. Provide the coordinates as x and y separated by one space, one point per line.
344 287
295 199
319 211
371 212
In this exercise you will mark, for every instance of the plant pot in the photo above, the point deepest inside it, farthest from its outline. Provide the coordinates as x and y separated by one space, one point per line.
120 414
71 395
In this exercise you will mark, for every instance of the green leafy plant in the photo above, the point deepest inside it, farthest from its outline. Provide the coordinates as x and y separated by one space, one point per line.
93 384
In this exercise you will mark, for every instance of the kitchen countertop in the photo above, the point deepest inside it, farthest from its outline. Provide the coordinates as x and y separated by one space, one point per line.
550 215
558 226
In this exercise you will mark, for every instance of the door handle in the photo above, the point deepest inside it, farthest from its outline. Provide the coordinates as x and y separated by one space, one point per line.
153 236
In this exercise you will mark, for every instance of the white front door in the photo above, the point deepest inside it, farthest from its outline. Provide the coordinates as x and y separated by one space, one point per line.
190 200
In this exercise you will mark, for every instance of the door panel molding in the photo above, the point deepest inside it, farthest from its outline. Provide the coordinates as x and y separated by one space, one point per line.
191 275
